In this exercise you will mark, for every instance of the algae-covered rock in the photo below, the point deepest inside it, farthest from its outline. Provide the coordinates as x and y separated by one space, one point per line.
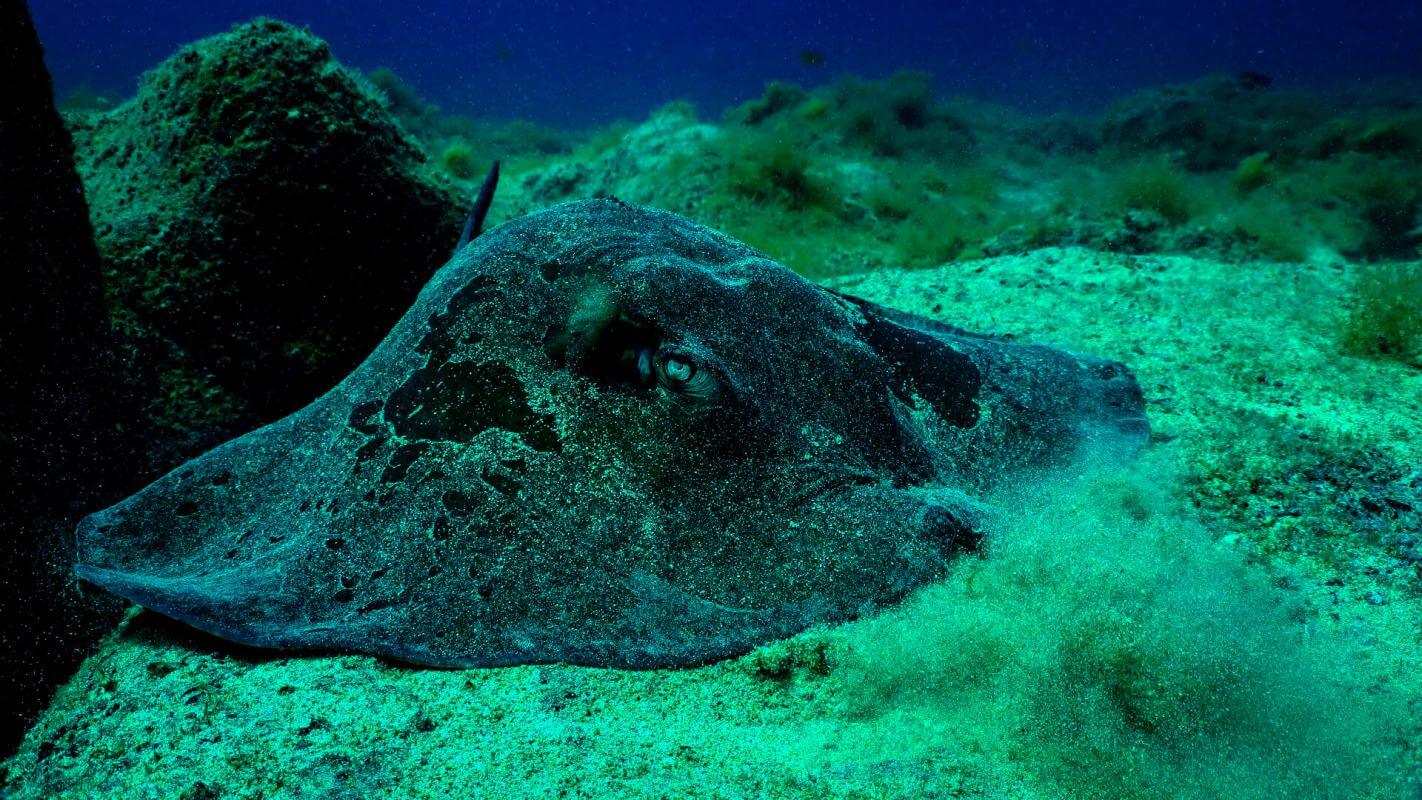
1213 122
263 221
635 168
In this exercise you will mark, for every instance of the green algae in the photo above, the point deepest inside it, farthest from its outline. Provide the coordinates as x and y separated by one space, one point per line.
860 174
1106 644
1157 185
768 168
1253 172
1385 317
457 159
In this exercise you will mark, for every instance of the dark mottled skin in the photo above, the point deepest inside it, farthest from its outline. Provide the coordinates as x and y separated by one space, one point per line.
501 482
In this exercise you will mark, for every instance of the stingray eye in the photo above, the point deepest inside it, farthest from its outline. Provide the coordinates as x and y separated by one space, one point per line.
681 373
679 370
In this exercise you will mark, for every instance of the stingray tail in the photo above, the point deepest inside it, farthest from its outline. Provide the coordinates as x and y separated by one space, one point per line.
485 198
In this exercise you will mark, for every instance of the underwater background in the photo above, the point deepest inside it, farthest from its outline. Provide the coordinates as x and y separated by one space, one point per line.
586 64
1225 197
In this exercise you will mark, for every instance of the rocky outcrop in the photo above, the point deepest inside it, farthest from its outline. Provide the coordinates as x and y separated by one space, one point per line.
634 169
1213 122
263 220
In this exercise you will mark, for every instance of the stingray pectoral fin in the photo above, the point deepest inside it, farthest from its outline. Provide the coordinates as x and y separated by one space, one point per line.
1037 403
1117 404
240 605
671 626
675 620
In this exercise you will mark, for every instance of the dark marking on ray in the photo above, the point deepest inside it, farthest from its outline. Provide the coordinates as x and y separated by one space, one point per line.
437 342
401 460
458 503
459 400
929 367
363 417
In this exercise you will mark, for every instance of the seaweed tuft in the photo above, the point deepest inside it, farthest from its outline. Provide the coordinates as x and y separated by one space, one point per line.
1384 319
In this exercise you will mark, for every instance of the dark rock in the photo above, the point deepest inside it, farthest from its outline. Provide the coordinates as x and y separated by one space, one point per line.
1139 231
61 444
1012 241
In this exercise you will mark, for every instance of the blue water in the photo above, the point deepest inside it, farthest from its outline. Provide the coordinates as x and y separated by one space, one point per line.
589 63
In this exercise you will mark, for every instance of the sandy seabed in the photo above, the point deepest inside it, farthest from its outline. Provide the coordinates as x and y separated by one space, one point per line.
1227 617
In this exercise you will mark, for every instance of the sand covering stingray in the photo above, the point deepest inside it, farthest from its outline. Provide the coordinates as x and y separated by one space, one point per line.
607 435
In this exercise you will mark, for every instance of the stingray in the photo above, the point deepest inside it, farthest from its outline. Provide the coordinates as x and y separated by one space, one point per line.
607 435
